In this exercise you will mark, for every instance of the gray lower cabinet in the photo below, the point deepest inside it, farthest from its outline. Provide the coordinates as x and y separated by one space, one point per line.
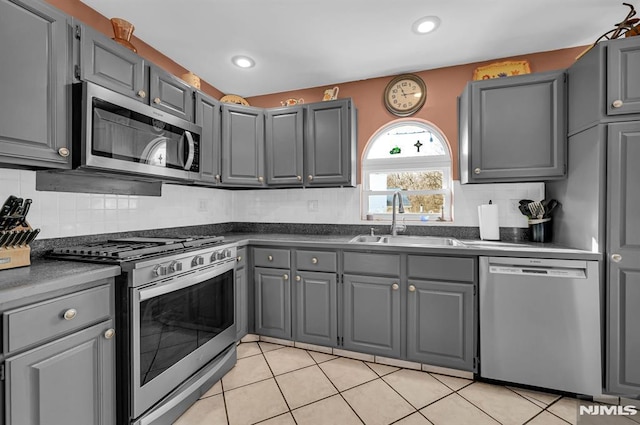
272 302
108 64
440 324
623 230
208 117
513 129
241 295
170 94
35 127
371 315
242 146
316 304
68 381
283 146
330 143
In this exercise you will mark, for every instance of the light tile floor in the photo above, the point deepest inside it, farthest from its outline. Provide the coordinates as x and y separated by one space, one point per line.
276 385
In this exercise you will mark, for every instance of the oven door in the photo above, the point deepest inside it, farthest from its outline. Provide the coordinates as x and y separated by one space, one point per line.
178 326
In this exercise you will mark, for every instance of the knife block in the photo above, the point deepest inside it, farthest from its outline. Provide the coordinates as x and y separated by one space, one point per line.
18 256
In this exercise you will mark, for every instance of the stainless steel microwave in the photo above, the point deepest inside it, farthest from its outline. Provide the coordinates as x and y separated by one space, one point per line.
115 133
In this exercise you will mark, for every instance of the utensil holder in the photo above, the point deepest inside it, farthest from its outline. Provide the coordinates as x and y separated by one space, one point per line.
13 256
540 230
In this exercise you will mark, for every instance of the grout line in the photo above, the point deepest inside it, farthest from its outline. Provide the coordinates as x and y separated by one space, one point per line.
435 376
477 407
224 401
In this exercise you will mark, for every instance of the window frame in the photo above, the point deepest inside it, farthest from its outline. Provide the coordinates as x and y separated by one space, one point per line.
442 163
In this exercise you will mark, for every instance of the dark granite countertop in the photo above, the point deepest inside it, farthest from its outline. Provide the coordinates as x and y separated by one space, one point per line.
46 278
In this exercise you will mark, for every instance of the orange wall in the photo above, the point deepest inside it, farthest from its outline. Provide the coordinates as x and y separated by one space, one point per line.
444 85
92 18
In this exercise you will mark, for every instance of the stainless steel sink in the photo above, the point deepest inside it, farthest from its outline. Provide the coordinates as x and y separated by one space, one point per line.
407 240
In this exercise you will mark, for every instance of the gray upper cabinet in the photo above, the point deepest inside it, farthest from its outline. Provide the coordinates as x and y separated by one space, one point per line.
513 129
208 117
283 145
242 146
72 381
330 143
623 230
107 63
603 85
34 94
170 94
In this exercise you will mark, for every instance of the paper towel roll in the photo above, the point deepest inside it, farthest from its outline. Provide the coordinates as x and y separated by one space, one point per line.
489 226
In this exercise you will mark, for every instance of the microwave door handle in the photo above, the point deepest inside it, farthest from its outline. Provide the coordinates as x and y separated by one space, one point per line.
191 145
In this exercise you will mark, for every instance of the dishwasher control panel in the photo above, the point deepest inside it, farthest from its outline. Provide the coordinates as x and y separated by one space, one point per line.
542 271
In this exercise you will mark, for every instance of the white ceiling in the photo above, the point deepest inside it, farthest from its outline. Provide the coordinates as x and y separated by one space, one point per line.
308 43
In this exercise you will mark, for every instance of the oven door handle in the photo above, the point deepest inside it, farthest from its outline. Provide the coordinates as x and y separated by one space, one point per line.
161 288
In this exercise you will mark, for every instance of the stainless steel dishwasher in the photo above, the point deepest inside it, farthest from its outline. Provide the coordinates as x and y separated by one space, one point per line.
540 323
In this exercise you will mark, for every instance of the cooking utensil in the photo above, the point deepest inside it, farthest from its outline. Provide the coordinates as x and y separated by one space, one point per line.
24 211
551 205
22 241
525 201
536 209
4 237
6 207
32 235
524 209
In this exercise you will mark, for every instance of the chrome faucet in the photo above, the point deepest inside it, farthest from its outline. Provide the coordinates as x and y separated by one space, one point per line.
396 227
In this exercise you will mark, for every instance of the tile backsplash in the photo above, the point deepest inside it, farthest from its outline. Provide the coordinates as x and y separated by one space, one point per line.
62 214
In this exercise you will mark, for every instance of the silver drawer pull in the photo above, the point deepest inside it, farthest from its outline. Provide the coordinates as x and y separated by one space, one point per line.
285 276
477 171
616 258
64 152
270 257
395 286
239 258
157 100
298 278
142 94
617 103
314 260
412 288
109 333
70 314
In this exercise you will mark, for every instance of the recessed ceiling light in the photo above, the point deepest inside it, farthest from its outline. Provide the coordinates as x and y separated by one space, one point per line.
243 61
426 24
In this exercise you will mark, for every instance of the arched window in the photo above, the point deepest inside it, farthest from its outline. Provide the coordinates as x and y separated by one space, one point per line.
411 156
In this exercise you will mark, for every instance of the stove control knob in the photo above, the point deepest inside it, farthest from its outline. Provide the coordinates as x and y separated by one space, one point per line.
175 266
198 260
160 270
227 253
220 255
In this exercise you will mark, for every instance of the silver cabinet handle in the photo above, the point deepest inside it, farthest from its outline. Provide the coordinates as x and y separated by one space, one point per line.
477 171
270 257
142 93
285 276
217 177
109 333
310 177
314 260
64 152
260 179
299 178
395 286
412 288
617 103
239 258
616 258
157 100
298 278
70 314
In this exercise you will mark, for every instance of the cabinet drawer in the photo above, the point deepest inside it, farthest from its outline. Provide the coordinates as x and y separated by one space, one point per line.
442 268
317 261
372 264
270 257
45 320
241 258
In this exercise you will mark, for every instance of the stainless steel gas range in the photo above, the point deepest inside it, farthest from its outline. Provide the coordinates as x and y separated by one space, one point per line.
174 320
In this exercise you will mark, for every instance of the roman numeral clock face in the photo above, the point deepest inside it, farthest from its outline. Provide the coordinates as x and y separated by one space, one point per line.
405 95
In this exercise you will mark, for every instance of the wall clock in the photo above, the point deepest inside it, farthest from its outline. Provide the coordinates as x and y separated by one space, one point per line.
405 95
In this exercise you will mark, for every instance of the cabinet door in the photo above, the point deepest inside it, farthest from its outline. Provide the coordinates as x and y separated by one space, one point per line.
69 381
623 230
273 302
35 76
170 94
440 324
242 146
623 84
317 308
208 117
518 129
283 145
329 143
372 315
242 302
106 63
